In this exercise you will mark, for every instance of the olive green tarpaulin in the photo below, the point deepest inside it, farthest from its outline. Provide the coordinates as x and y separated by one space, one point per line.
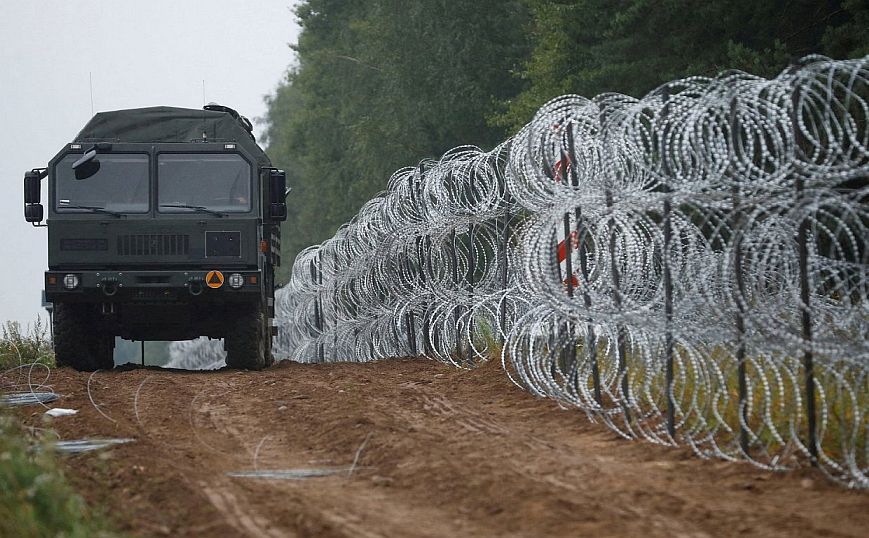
169 124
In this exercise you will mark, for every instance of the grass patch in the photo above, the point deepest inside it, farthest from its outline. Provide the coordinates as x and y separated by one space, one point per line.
35 499
24 346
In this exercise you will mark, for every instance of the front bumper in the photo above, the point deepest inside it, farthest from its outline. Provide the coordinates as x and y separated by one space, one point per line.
151 286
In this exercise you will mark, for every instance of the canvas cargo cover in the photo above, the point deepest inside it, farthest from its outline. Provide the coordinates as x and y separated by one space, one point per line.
169 124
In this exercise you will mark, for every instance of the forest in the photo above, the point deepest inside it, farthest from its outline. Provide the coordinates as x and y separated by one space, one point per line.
378 85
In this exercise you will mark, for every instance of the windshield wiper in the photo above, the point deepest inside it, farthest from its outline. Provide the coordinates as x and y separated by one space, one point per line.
93 209
199 208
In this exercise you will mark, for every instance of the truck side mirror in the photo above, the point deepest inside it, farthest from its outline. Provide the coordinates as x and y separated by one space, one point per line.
33 212
32 187
277 192
278 212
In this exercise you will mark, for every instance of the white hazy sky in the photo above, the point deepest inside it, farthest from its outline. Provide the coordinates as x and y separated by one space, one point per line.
137 54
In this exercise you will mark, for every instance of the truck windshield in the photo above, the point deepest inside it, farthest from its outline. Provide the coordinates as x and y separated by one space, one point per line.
198 182
119 186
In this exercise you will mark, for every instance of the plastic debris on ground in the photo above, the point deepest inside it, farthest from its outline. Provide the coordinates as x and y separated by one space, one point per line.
27 398
61 412
87 445
291 474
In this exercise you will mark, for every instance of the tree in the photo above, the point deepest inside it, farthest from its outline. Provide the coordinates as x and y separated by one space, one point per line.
632 46
382 84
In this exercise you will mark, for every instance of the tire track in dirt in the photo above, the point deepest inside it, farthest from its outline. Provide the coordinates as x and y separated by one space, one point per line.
450 453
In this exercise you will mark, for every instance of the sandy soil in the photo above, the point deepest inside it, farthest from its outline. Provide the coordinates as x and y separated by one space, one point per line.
448 453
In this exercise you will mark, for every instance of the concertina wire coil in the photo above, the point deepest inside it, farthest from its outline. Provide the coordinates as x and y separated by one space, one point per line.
687 268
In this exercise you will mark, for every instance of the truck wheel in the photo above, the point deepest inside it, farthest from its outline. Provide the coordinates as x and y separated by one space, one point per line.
248 346
77 342
104 351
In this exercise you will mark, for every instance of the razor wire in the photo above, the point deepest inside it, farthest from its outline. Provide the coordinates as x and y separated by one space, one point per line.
718 228
689 268
200 354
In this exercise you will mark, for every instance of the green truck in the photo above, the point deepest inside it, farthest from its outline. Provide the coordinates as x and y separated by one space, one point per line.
163 224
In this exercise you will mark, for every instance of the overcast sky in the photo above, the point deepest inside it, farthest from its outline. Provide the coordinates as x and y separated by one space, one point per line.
137 54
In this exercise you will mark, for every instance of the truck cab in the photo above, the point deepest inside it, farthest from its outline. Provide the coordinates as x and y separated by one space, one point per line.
163 224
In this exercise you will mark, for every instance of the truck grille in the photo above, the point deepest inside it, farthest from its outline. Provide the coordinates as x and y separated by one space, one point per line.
153 245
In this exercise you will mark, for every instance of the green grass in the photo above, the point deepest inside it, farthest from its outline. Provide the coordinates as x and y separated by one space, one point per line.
712 383
24 346
486 340
35 499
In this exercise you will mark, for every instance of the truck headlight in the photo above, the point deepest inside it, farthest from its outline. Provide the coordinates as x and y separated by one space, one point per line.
70 281
235 281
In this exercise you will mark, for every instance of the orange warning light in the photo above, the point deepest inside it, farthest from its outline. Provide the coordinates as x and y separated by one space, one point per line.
251 279
214 279
52 280
263 246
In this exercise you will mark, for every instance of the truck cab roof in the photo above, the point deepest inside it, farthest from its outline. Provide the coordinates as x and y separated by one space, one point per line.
172 125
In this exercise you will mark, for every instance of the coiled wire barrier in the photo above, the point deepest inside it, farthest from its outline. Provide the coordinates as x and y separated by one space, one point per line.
688 268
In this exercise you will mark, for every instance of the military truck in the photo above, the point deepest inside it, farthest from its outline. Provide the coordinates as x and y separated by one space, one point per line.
163 224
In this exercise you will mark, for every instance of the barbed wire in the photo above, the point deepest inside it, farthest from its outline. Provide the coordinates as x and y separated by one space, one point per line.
200 354
688 268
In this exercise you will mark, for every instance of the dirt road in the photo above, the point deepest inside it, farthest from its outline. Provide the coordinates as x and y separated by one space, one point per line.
448 453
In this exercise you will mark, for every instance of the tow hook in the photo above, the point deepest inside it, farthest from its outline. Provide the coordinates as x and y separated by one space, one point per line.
194 286
109 286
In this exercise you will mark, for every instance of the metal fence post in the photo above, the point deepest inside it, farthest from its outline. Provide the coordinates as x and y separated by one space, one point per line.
454 258
411 333
423 254
556 263
805 289
355 315
569 352
322 350
472 269
668 313
738 232
503 260
469 277
668 287
617 298
316 278
806 330
335 310
590 339
409 315
409 266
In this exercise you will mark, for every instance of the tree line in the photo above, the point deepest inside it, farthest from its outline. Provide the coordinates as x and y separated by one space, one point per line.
381 84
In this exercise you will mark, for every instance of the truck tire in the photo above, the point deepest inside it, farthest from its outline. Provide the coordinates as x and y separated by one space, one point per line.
249 343
77 340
